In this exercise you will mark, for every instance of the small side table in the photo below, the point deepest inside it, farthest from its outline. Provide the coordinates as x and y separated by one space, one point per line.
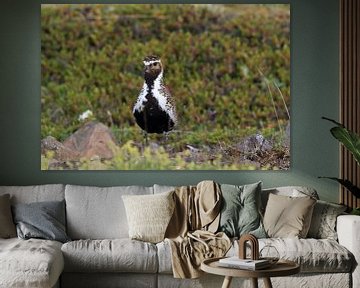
281 268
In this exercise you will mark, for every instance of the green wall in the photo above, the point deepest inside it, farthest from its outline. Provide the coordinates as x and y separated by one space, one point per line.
314 72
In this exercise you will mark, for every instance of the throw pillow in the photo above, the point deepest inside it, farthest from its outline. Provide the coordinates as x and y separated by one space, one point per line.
44 220
292 191
149 215
7 227
240 213
323 223
288 217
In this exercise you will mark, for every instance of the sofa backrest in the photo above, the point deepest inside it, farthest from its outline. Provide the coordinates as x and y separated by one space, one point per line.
35 193
162 188
98 212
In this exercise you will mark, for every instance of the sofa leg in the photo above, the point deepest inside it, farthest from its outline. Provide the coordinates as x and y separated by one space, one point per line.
227 282
267 283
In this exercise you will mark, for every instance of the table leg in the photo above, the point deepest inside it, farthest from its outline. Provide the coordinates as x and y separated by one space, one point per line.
227 282
254 282
267 283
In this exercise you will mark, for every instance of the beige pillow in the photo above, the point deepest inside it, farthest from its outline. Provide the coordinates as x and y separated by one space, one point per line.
149 215
288 217
7 226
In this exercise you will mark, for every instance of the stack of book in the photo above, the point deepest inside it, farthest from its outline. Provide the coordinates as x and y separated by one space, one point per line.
248 264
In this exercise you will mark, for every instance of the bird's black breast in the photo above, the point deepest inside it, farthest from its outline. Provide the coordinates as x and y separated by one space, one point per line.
152 118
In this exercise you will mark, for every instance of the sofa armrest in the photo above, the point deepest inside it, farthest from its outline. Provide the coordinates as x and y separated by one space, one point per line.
348 230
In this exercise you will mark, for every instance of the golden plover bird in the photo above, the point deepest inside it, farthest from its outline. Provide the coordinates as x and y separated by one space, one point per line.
154 110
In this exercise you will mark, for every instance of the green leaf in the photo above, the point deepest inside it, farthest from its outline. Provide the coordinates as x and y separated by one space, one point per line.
355 211
348 138
333 121
347 184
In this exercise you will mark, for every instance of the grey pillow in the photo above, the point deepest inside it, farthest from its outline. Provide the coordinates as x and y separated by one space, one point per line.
44 220
240 213
7 227
323 222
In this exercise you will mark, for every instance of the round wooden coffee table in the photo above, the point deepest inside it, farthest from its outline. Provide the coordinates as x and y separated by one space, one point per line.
281 268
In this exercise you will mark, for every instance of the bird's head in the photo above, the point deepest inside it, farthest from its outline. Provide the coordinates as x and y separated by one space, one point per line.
153 67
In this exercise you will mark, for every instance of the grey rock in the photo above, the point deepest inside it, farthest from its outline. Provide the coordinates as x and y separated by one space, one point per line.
254 143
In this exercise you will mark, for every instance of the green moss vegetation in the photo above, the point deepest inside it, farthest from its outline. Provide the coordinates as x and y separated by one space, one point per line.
228 67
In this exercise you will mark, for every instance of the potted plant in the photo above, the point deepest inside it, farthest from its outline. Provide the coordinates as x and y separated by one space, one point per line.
351 141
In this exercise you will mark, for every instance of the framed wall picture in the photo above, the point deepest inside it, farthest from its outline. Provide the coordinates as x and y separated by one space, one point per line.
165 86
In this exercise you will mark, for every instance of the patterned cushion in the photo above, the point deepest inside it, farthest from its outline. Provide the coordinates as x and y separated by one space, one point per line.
323 223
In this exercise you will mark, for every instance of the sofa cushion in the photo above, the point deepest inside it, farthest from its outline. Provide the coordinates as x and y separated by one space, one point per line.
43 220
7 226
35 193
291 191
30 263
323 222
98 213
287 216
313 255
149 215
116 255
240 210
